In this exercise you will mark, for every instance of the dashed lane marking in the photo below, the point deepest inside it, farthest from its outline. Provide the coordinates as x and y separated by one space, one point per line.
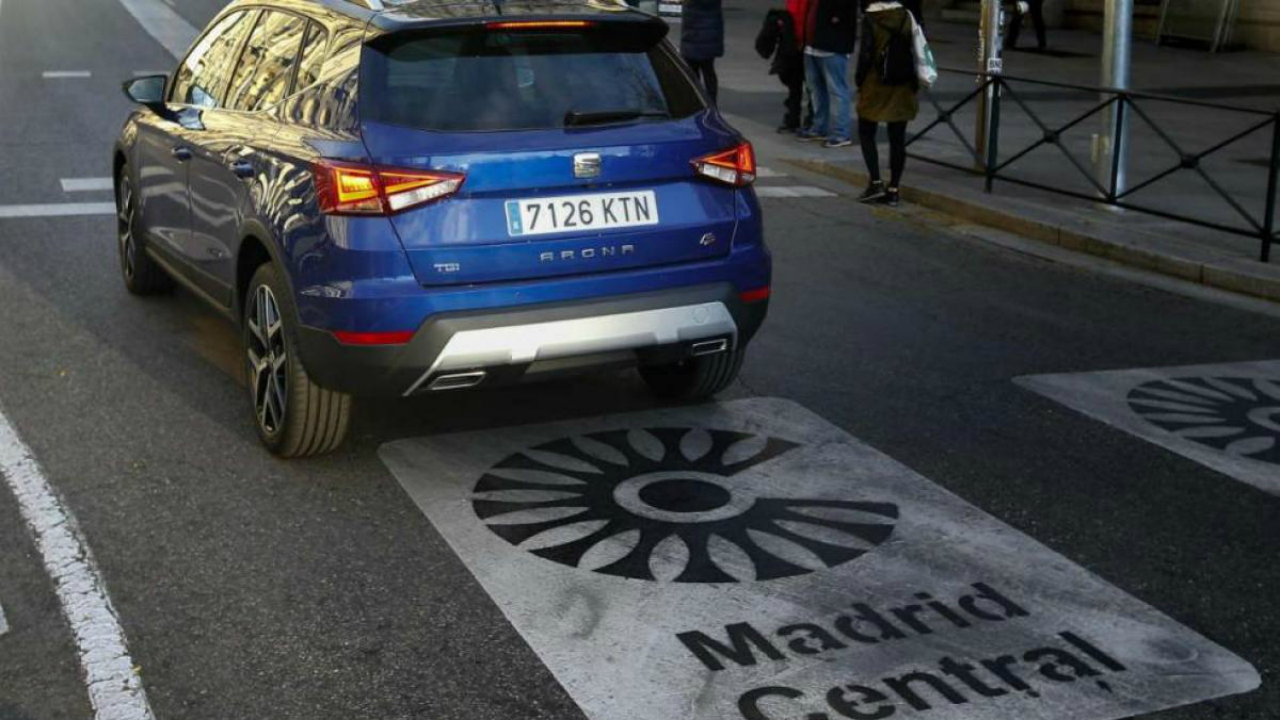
164 24
86 184
1225 416
750 560
115 690
56 210
65 74
798 191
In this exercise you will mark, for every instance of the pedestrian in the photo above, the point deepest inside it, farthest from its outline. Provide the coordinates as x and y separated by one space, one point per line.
779 40
702 41
893 63
1021 8
830 33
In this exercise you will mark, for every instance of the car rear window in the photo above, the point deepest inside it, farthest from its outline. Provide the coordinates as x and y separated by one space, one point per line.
477 80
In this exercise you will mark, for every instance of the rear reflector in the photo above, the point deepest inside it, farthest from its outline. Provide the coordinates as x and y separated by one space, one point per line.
539 24
756 295
735 166
400 337
355 189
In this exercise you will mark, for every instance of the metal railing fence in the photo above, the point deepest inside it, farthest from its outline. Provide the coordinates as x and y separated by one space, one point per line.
1123 105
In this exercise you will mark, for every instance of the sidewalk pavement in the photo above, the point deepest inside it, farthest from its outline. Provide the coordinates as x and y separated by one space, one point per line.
1249 80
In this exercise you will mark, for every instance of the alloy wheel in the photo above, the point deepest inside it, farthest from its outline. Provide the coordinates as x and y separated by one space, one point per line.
125 210
268 360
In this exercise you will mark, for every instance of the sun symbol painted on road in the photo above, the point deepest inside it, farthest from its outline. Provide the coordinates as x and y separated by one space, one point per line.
1239 416
671 504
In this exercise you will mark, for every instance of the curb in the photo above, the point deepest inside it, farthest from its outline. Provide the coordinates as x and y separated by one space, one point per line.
1257 280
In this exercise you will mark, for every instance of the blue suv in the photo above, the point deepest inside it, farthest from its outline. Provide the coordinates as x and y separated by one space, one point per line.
414 196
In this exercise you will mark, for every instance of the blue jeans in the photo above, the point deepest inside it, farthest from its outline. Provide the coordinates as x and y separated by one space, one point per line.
828 80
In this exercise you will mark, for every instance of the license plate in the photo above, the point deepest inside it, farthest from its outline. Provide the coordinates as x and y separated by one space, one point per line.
577 213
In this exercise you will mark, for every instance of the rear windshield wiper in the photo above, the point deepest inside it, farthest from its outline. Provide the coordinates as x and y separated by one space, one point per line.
577 119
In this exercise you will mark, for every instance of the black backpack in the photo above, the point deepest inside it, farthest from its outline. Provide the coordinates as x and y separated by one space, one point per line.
898 59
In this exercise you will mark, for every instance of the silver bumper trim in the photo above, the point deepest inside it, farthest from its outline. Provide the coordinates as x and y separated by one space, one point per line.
522 344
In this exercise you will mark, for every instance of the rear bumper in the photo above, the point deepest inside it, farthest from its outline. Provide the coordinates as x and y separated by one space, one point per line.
503 345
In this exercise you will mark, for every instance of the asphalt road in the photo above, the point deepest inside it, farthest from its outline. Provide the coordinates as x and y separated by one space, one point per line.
253 588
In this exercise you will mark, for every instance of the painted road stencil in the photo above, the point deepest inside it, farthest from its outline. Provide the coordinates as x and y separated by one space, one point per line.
750 561
1225 416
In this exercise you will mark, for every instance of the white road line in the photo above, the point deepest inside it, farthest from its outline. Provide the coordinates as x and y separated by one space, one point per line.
63 74
764 172
162 23
799 191
115 691
56 210
4 624
86 184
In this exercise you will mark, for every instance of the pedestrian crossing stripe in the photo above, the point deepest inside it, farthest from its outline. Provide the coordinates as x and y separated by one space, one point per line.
799 191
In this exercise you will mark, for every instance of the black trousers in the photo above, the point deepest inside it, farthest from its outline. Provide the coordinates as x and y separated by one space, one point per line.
867 130
705 71
1037 21
795 102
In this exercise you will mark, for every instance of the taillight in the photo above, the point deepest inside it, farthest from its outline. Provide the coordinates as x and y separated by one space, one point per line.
355 189
736 166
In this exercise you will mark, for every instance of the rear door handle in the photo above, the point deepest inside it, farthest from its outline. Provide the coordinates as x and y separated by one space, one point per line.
182 153
242 169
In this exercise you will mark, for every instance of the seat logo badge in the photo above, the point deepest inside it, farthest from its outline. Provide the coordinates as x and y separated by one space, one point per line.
708 240
586 165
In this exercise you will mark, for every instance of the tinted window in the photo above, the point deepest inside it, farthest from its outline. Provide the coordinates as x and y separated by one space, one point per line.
509 80
266 67
312 59
203 74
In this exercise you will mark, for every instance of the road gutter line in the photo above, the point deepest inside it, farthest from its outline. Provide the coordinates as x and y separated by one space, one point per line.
115 690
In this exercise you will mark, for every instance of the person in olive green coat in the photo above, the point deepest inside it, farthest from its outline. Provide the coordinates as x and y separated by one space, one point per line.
879 102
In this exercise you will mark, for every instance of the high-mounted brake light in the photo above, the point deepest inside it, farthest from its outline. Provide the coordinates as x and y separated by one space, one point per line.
736 166
354 189
539 24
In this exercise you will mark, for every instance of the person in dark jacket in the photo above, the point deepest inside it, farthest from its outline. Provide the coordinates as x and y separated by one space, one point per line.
879 101
1036 9
777 40
702 41
831 31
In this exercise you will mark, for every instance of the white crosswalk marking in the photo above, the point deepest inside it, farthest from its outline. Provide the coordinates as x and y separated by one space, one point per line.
764 172
85 184
799 191
64 74
56 210
4 624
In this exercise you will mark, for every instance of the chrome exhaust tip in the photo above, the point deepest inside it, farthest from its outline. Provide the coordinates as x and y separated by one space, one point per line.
457 381
709 347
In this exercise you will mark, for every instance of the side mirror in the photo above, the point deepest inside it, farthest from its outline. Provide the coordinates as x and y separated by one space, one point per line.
147 90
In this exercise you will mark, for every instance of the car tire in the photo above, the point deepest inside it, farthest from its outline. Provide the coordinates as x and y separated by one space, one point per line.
696 378
142 274
294 416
